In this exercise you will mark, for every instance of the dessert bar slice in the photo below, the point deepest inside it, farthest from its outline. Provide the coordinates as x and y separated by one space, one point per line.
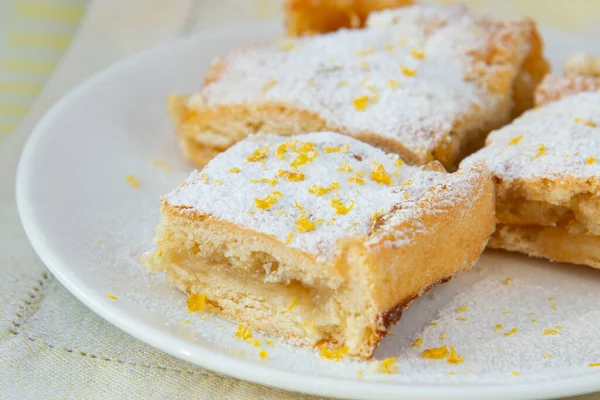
309 17
430 85
546 169
320 239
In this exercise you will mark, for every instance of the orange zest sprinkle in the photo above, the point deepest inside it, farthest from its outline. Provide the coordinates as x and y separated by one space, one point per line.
243 332
511 332
258 154
196 302
418 54
303 158
594 365
270 181
505 312
586 122
340 208
269 85
334 354
454 358
303 224
515 140
591 160
435 353
417 343
339 149
508 281
541 150
462 309
234 170
402 42
547 355
394 84
290 176
322 190
288 240
298 206
498 327
389 47
218 181
268 201
345 167
379 175
204 178
133 181
408 71
361 102
551 332
111 296
388 366
267 341
515 373
303 147
263 354
356 179
364 65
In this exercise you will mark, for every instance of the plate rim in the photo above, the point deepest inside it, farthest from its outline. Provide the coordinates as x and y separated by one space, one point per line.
205 357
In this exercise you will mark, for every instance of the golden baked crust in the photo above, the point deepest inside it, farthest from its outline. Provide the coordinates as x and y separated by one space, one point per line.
428 85
320 239
554 87
547 179
309 17
552 243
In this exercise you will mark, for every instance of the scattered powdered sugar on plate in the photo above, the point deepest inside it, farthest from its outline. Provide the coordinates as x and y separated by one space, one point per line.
340 192
555 141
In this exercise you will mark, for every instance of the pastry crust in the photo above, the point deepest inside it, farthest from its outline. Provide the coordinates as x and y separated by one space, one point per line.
430 85
554 87
329 251
547 179
310 17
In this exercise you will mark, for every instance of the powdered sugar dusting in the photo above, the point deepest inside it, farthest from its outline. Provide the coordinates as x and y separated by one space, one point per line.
557 140
345 175
413 76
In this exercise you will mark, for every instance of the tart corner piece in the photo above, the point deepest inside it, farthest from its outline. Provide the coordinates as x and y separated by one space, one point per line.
320 239
546 170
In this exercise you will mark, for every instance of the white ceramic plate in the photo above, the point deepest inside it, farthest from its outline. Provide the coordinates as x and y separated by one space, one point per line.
89 226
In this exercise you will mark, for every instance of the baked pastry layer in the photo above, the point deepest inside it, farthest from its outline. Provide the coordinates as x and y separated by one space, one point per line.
553 243
555 87
430 85
309 17
320 239
546 170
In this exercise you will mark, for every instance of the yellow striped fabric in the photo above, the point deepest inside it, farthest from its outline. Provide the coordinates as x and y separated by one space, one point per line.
34 34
